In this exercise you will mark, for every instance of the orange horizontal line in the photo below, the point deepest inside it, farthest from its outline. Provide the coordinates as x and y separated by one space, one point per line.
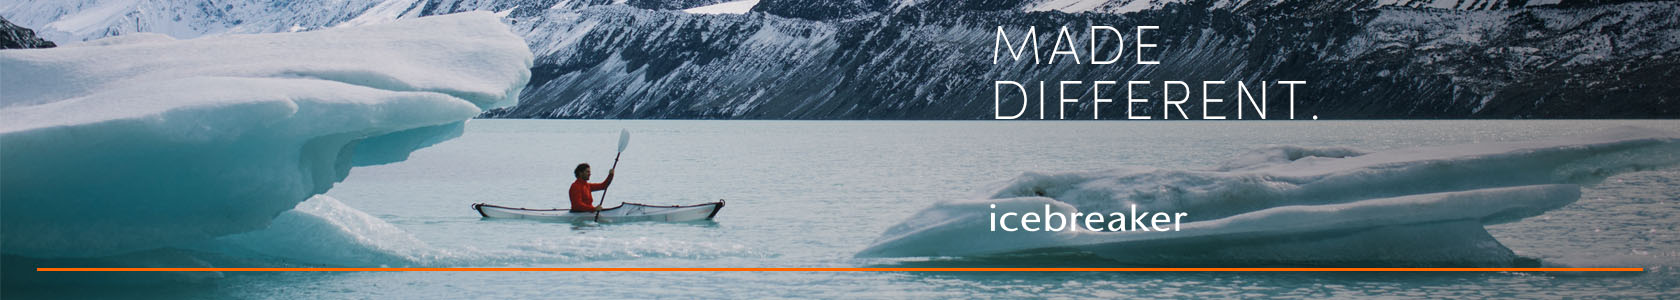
840 269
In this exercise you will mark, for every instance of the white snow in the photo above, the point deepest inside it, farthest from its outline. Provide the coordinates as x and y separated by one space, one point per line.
385 12
71 21
1298 204
504 13
86 21
142 141
733 7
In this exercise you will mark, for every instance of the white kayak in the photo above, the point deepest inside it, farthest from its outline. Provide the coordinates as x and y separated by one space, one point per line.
627 212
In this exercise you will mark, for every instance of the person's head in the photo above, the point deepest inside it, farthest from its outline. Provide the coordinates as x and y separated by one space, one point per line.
582 171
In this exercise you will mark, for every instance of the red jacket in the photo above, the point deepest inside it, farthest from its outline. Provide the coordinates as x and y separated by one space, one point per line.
580 193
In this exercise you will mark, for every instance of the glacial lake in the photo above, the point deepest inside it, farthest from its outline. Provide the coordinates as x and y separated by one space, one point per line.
814 193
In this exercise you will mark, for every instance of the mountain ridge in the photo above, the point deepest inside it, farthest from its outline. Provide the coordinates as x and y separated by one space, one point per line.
1362 59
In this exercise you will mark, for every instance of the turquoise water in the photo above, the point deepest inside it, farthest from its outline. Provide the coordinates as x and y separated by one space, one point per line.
812 194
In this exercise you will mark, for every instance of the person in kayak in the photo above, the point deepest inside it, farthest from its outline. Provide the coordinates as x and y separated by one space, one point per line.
582 201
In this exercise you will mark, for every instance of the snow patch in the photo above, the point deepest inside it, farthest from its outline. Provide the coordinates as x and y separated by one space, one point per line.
733 7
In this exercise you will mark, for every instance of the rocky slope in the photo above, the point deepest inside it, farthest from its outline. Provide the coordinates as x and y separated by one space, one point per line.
17 37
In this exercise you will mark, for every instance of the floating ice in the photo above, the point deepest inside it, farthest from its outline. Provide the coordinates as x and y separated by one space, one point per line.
140 142
1419 206
325 231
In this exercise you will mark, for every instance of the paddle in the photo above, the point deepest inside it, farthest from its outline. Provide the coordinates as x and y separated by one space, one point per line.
623 141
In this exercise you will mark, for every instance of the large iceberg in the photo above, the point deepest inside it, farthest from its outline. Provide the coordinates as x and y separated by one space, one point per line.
142 141
1298 205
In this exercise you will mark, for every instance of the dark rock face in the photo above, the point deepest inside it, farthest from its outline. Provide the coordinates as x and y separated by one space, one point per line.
821 10
933 60
17 37
519 7
672 4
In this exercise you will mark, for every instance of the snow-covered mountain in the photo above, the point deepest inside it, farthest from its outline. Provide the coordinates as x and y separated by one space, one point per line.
1126 6
80 20
930 59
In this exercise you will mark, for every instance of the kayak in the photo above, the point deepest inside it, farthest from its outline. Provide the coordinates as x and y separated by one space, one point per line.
627 212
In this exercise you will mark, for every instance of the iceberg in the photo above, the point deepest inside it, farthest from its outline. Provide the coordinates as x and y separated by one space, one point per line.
1298 205
325 231
140 142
